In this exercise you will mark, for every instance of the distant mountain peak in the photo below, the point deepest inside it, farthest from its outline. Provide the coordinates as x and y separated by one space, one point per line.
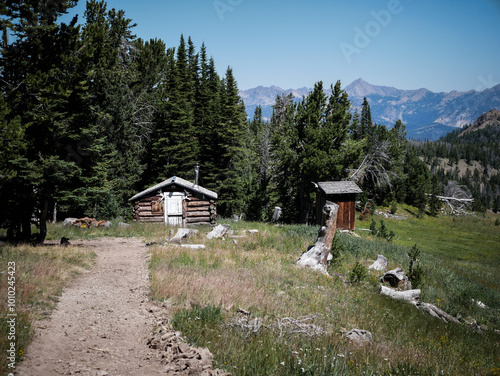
427 115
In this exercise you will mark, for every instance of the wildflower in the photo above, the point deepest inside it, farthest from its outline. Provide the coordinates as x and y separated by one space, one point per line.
341 355
282 363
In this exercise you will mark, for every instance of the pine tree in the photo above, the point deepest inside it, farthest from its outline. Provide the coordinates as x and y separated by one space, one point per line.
435 190
312 145
36 82
366 123
230 164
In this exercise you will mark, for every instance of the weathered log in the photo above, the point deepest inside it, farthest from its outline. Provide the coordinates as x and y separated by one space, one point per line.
410 296
197 203
396 278
432 310
198 208
149 199
197 219
198 214
316 257
181 235
140 204
150 219
276 214
379 264
218 232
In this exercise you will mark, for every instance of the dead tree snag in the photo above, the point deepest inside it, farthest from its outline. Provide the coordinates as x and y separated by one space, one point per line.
317 256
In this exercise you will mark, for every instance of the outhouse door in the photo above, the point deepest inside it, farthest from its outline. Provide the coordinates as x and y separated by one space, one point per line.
173 208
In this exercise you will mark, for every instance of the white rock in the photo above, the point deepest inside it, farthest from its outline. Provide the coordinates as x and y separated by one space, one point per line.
359 336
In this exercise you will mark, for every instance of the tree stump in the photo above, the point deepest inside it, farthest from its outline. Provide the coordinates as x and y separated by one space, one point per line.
317 256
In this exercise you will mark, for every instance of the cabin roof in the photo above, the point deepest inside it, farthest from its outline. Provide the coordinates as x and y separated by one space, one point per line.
339 187
177 181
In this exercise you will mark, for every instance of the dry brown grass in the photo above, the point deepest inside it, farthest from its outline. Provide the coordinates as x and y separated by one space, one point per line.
41 273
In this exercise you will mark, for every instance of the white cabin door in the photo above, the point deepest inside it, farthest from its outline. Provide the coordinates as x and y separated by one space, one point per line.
173 208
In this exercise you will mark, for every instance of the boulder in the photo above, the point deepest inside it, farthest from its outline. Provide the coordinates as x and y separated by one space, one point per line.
359 336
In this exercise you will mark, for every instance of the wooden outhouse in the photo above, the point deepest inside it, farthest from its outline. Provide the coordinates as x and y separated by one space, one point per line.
176 202
343 193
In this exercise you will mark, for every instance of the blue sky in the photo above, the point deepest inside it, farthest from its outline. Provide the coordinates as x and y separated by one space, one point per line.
441 45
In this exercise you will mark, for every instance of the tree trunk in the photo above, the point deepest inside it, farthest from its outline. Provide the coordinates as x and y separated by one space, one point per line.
54 213
43 221
316 257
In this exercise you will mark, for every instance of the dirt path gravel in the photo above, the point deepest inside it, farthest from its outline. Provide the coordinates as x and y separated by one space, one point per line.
103 322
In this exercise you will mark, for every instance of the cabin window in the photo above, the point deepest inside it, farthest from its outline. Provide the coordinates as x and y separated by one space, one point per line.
157 207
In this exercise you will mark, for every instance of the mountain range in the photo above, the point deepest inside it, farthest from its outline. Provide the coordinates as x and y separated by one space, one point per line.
426 114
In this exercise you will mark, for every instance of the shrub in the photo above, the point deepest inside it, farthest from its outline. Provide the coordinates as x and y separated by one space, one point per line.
394 207
358 273
415 271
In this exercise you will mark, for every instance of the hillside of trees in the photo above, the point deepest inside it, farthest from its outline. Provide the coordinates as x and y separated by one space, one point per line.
90 115
482 182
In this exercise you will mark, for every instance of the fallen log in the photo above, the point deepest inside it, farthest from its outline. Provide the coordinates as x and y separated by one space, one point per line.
410 296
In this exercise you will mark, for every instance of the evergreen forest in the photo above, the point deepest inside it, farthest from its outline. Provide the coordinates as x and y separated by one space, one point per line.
90 114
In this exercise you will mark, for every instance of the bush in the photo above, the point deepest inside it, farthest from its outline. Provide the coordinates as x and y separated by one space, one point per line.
415 271
382 232
358 273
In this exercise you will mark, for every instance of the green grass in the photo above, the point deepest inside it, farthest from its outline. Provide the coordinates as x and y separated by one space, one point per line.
259 274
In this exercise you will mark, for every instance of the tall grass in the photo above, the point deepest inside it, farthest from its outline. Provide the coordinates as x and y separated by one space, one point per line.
206 288
40 274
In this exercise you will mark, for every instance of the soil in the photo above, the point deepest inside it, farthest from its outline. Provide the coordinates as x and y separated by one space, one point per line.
105 325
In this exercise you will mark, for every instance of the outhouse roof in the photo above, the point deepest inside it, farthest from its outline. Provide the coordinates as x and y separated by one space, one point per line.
177 181
339 187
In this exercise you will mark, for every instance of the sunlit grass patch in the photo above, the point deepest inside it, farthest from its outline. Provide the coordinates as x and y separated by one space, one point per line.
258 273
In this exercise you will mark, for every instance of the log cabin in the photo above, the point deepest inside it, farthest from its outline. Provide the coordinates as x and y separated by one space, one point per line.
176 202
342 193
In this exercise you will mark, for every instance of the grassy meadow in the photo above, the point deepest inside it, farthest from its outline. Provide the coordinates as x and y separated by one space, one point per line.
298 316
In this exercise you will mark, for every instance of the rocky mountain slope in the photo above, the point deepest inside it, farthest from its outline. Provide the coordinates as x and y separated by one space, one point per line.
488 119
425 113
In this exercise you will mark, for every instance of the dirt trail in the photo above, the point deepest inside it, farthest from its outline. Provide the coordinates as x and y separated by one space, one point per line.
103 321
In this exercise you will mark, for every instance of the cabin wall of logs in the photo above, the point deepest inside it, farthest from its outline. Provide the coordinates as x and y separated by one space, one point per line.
195 210
199 211
149 209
